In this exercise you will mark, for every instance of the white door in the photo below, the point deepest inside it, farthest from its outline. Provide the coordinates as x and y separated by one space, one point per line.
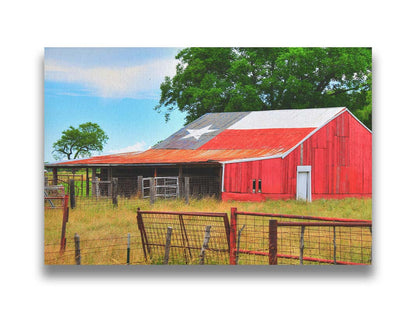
303 183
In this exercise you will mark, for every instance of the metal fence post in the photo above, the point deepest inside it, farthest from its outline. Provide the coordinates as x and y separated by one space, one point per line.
64 221
238 243
272 242
233 234
205 244
77 250
301 243
167 245
128 248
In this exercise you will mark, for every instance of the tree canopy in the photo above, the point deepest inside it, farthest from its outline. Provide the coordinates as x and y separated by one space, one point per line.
250 79
80 142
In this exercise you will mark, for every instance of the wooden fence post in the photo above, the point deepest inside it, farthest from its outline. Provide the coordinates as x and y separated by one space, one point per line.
233 234
114 191
55 176
87 183
205 244
272 242
187 190
301 243
152 190
72 193
139 186
167 245
96 187
77 250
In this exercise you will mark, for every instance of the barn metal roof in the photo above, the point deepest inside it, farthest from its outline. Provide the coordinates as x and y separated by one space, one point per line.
228 137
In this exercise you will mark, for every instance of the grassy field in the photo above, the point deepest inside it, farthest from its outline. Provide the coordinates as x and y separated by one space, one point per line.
98 222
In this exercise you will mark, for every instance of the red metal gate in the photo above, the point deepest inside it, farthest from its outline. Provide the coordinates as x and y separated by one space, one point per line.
287 239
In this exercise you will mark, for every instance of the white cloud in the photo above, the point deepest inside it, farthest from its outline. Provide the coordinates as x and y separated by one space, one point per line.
138 81
139 146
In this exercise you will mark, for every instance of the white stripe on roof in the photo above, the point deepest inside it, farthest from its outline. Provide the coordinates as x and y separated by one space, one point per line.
289 118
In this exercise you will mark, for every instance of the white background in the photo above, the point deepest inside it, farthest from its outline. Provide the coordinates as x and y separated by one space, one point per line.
28 26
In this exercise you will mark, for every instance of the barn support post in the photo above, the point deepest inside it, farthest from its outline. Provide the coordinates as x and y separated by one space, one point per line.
109 179
93 179
96 187
140 186
272 242
233 235
152 190
187 190
55 176
87 181
114 187
72 193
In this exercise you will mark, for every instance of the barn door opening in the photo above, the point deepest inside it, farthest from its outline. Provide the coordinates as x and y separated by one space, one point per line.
303 183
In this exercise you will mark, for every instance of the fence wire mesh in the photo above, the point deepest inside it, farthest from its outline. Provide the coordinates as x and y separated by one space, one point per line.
188 232
325 240
111 249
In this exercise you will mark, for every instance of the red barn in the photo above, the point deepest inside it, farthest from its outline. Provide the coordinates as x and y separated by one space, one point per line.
279 154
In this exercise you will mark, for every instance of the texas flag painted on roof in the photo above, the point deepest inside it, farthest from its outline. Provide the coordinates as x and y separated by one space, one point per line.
225 137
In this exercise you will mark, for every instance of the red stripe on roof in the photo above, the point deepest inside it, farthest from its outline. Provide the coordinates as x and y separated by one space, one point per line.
277 139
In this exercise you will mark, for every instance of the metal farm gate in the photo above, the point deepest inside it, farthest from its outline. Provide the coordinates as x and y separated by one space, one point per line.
164 187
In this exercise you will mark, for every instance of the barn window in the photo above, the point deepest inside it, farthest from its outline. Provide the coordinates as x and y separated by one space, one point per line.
259 189
254 185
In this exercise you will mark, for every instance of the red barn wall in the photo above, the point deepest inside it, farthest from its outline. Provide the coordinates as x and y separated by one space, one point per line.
340 154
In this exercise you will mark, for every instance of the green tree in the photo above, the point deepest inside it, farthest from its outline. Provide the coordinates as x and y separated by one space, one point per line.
80 142
248 79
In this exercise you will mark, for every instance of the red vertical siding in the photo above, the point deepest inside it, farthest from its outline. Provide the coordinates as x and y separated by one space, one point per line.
340 156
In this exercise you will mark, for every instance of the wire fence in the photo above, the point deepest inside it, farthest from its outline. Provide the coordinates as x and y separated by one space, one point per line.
188 233
111 249
302 239
246 238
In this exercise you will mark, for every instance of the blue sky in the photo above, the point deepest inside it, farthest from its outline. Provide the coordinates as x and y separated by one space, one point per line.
114 87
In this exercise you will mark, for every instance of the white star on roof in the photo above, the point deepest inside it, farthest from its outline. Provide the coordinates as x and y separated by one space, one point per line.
197 133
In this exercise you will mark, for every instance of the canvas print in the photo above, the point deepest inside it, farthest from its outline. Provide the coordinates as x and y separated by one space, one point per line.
208 156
